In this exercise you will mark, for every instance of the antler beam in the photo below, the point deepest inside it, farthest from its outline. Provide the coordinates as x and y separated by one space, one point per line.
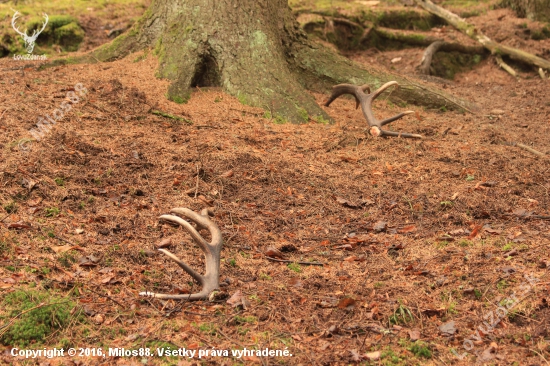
210 280
365 101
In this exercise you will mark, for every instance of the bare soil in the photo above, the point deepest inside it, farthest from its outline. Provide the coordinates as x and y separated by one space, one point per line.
412 234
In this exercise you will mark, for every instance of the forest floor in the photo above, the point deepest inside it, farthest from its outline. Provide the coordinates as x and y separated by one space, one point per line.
423 242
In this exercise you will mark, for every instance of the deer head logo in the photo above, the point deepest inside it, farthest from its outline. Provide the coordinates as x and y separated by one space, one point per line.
29 40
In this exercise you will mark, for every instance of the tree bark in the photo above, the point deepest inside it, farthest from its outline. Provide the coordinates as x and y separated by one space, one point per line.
531 9
256 51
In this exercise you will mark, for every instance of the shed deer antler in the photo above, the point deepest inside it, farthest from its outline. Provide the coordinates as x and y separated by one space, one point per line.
210 280
365 100
29 40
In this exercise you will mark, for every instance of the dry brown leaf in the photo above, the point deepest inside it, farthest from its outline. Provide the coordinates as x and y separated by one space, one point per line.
407 229
237 299
164 243
346 302
227 174
274 253
373 356
65 248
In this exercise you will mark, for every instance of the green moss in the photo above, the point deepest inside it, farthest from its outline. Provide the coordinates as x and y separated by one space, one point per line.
302 113
321 119
178 99
69 36
243 99
448 64
280 120
32 327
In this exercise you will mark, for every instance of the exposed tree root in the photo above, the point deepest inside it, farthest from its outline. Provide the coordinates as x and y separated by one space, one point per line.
440 45
471 31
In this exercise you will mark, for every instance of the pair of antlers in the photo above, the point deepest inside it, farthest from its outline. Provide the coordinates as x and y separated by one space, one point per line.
365 101
212 250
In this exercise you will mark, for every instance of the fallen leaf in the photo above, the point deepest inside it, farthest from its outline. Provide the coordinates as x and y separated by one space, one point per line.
475 232
65 248
379 226
407 229
274 253
237 299
373 356
346 302
88 261
164 243
227 174
98 319
355 356
448 329
414 334
19 225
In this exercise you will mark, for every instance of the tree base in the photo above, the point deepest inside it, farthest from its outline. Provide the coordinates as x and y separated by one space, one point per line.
256 52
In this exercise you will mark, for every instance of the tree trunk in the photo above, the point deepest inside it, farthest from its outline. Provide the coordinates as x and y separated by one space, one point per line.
531 9
256 51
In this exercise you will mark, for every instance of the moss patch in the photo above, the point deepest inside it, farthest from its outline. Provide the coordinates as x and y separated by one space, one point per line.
48 314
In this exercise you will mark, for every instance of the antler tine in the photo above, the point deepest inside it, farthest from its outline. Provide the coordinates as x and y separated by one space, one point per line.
400 134
380 90
210 280
396 117
13 19
36 32
342 89
196 276
203 244
202 220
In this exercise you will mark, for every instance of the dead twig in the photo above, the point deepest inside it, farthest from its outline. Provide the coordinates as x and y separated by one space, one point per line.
503 65
288 261
108 297
527 148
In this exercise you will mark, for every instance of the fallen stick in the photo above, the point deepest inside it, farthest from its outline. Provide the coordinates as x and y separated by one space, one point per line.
287 261
527 148
503 65
530 149
471 31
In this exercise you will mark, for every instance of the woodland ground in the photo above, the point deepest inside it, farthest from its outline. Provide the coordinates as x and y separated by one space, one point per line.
413 234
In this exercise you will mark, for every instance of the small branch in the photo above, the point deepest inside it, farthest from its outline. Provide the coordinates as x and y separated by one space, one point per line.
108 297
171 116
503 65
527 148
287 261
